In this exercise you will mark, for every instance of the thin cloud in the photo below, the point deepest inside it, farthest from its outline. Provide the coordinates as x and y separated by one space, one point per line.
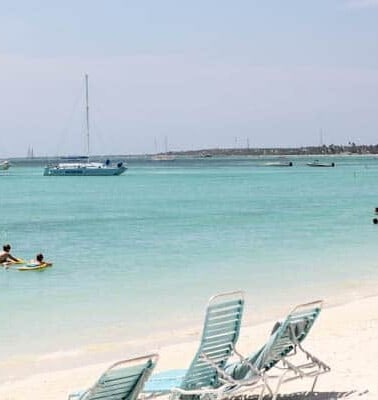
362 3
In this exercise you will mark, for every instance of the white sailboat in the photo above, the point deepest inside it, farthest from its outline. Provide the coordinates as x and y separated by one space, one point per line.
82 166
163 156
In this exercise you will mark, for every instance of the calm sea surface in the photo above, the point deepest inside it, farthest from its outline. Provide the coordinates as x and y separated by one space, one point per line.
140 254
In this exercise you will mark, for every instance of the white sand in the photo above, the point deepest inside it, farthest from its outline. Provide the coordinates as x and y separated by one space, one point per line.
345 337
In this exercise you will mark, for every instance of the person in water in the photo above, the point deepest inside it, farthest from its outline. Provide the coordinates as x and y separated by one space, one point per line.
6 257
39 260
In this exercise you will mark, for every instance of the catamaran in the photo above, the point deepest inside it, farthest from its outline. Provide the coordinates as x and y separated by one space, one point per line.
82 166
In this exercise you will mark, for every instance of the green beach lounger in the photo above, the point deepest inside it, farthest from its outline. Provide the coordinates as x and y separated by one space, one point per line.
123 380
220 333
281 352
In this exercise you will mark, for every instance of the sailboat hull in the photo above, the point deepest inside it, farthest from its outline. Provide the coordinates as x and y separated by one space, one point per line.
83 170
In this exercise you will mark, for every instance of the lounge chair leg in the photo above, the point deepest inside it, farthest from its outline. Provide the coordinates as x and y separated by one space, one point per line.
314 383
174 395
261 395
279 385
266 385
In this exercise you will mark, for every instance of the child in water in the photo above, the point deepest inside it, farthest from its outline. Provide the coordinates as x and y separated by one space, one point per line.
40 261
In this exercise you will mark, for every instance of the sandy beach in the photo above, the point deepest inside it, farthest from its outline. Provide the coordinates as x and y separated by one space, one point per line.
345 337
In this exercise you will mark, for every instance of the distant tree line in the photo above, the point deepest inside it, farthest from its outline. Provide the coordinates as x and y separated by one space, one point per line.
350 148
332 149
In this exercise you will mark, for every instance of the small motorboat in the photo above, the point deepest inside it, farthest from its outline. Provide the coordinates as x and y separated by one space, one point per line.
4 165
317 163
279 163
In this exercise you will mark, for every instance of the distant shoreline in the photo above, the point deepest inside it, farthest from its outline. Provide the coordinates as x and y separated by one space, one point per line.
311 151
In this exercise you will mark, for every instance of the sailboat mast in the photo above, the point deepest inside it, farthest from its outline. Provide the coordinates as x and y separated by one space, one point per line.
87 112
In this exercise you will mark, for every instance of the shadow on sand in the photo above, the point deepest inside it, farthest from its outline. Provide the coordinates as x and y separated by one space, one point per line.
312 396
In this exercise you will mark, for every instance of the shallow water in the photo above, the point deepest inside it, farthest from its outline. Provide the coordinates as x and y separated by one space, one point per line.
141 254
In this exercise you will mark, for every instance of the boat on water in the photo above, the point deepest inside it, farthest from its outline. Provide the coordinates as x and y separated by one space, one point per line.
163 157
283 163
317 163
4 165
166 156
82 166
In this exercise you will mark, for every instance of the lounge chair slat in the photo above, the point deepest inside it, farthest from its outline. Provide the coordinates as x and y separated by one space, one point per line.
213 314
217 340
224 347
301 315
221 334
209 333
227 325
218 352
118 383
224 305
109 388
117 377
227 319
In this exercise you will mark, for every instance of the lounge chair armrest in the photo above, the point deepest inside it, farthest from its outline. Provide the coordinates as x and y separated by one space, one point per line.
245 361
221 373
239 355
316 360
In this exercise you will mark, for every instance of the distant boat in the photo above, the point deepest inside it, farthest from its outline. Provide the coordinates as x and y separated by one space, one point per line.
317 163
4 165
163 157
282 163
82 166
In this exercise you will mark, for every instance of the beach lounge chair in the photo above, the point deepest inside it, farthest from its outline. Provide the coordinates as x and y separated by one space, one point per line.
123 380
282 352
219 335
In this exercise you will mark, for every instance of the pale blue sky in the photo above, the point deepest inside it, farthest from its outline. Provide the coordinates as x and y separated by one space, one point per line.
201 73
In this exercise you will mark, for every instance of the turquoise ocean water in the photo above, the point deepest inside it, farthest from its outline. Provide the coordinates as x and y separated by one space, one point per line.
139 255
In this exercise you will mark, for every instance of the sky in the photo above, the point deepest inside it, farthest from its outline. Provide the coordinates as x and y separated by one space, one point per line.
193 74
